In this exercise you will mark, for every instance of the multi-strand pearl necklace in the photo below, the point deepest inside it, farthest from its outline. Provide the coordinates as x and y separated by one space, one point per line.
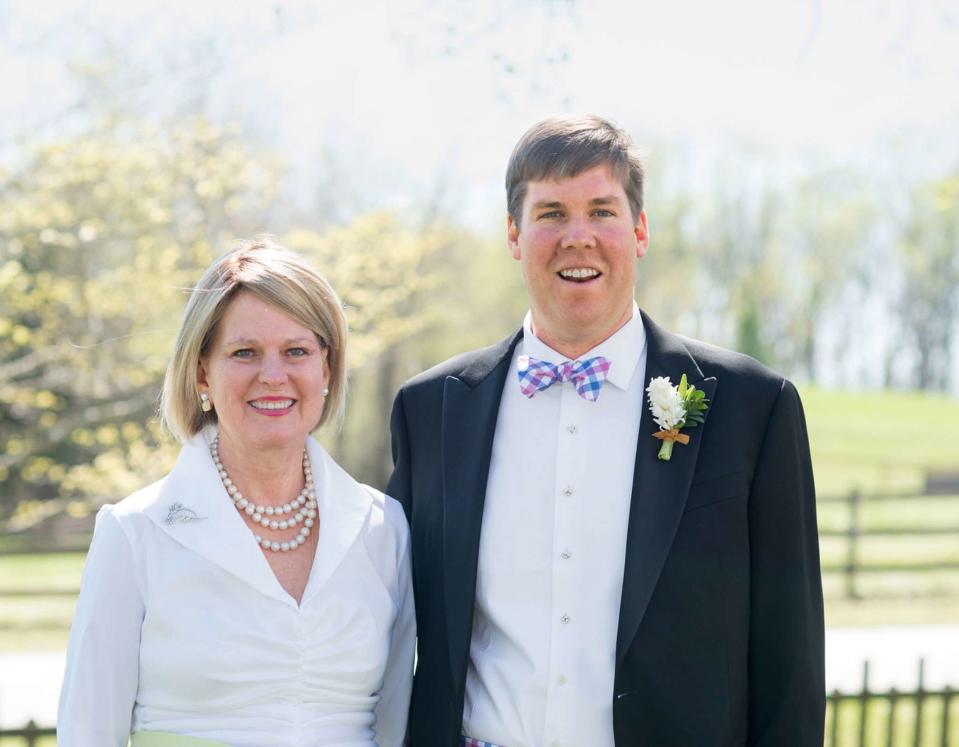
302 508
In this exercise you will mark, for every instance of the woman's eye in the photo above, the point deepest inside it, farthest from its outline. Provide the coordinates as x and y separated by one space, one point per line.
242 353
298 352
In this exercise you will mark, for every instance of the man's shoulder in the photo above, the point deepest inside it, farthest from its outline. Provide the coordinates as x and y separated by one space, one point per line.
723 363
746 387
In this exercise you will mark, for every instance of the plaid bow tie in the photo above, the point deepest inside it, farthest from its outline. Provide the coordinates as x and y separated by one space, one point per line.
587 376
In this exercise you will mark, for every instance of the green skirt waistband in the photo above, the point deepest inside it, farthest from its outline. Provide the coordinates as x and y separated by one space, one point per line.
165 739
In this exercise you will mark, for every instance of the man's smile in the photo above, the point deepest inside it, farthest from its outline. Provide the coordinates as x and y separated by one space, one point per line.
579 274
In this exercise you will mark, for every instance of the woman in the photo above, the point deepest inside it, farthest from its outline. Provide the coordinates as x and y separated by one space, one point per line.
256 595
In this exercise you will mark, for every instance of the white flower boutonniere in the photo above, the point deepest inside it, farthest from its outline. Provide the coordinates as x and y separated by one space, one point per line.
675 408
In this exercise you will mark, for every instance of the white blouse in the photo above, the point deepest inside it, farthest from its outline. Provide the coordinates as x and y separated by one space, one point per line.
181 625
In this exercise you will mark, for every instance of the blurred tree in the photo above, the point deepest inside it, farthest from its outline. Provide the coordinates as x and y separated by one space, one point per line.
409 300
741 256
99 236
828 233
670 284
928 304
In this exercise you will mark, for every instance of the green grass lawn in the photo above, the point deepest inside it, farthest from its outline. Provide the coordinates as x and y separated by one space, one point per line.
37 623
48 571
892 514
879 441
904 724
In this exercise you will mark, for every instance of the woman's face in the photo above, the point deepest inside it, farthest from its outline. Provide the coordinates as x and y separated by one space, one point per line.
265 374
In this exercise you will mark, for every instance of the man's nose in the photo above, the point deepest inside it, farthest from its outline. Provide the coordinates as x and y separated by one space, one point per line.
578 235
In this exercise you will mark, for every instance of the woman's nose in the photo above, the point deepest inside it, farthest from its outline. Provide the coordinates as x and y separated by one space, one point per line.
273 370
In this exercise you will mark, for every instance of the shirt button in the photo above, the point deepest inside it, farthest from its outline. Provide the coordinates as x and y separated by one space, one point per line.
568 490
566 555
564 619
571 428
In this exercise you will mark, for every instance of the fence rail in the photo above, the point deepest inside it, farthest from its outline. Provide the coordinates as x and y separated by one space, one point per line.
855 532
29 733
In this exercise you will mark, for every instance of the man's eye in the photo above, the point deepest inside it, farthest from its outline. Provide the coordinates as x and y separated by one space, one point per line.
552 214
604 213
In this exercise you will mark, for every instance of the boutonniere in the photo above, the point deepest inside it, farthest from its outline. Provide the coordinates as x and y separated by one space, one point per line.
675 408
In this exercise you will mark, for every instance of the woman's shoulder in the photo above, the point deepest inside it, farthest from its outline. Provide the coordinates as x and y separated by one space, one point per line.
136 507
387 511
387 537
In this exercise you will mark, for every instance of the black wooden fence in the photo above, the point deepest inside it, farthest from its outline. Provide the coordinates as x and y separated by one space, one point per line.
868 718
855 532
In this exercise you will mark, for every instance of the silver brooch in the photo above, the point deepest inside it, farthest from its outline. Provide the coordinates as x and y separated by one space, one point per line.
180 513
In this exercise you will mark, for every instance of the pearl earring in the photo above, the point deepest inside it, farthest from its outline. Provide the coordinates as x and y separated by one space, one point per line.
326 391
205 403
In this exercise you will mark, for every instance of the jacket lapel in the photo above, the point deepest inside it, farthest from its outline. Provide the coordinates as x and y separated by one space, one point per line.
470 408
193 507
660 488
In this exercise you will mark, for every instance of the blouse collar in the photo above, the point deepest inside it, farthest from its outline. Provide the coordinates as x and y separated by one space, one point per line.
193 508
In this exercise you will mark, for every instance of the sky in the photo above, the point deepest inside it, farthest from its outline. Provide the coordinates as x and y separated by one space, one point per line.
411 97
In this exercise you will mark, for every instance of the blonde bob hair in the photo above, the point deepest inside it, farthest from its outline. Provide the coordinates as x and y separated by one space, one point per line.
275 275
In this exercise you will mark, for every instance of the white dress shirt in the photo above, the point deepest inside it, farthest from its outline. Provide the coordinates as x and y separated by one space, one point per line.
552 549
181 626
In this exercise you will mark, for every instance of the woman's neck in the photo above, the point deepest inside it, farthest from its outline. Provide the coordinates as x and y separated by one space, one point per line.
269 477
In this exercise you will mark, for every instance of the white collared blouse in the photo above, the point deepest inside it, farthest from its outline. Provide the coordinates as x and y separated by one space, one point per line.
181 625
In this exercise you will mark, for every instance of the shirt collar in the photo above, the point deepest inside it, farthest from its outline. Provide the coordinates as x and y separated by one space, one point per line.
623 348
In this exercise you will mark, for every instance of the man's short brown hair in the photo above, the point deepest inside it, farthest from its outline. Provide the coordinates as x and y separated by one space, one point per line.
561 147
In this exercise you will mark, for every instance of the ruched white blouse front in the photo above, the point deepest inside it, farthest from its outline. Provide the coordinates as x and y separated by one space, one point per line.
182 627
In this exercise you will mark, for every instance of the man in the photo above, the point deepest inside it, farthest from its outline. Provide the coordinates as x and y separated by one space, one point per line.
572 588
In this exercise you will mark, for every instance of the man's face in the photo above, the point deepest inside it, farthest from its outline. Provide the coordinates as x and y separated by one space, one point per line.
577 243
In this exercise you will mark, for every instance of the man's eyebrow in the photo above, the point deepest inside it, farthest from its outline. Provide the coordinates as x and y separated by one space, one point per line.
608 200
552 204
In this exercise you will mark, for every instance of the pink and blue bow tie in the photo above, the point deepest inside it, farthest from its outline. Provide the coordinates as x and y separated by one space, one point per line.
587 376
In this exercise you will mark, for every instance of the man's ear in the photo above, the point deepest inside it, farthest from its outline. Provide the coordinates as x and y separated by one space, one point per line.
642 235
512 236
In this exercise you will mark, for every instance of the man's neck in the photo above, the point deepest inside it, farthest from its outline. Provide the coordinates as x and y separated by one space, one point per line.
574 346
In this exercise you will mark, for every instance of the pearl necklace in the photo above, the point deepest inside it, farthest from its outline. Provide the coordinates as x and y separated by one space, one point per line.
303 507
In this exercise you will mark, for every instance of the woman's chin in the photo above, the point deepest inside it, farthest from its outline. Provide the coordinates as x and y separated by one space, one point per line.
269 437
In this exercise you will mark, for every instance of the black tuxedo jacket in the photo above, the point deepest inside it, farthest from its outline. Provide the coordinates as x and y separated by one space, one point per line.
720 638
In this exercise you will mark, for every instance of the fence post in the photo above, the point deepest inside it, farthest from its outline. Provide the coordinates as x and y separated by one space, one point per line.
834 732
946 698
920 692
891 725
852 538
31 736
864 703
